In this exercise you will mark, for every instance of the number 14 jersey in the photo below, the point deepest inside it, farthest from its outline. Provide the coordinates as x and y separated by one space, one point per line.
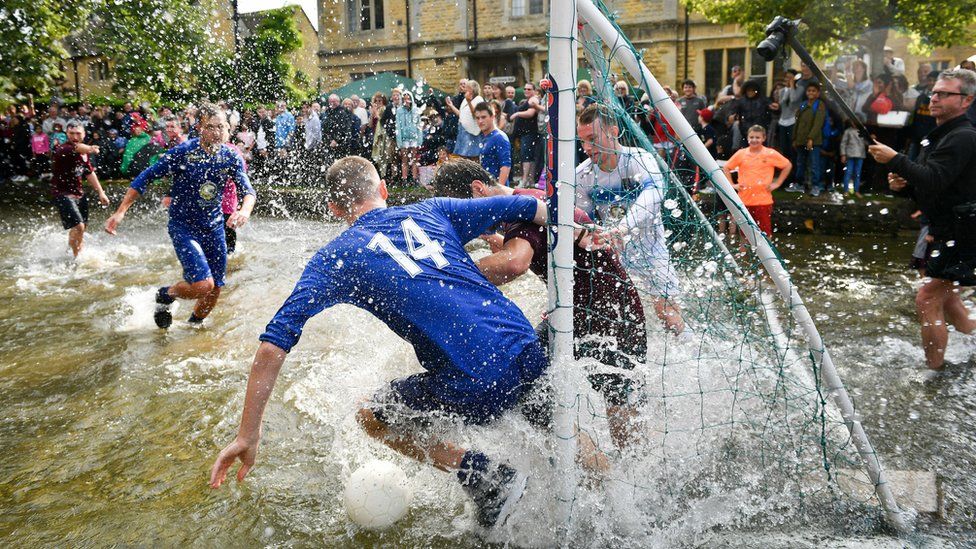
408 267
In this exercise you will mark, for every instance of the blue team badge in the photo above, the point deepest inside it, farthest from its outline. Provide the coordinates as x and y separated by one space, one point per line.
208 191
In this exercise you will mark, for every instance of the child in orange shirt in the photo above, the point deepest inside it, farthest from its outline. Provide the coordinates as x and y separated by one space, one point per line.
757 165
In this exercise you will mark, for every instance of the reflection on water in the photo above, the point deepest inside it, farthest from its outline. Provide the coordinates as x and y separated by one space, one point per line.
108 426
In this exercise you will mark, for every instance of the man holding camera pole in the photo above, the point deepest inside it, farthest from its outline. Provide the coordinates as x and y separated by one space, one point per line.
943 182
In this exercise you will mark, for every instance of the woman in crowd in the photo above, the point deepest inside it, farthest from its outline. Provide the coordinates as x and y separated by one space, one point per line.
382 145
467 144
409 137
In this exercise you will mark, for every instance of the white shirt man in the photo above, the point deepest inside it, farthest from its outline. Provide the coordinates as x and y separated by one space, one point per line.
313 127
623 189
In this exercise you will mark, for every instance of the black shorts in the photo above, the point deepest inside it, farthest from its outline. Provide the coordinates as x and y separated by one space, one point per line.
73 210
527 146
615 388
951 263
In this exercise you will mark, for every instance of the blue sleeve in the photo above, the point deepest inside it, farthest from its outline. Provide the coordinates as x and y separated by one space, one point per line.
162 168
505 153
314 293
472 217
241 179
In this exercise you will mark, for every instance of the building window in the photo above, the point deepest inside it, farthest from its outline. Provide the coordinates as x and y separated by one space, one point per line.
940 65
521 8
98 71
365 15
518 8
718 68
757 69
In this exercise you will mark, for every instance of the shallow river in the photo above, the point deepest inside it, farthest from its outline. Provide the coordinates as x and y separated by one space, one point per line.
108 426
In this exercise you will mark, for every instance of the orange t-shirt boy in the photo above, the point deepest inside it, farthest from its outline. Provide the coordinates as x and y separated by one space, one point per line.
757 167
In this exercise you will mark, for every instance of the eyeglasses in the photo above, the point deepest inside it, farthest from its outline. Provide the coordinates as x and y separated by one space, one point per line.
947 94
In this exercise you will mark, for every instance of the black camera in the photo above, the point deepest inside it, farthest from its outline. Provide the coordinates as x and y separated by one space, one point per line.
776 35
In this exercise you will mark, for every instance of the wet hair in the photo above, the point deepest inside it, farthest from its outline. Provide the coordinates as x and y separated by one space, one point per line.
350 181
454 177
208 110
597 111
75 124
966 78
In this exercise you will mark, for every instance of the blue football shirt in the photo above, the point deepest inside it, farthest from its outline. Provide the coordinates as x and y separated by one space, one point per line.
496 152
198 181
408 267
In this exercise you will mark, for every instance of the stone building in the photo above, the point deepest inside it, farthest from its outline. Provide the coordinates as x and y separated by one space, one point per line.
445 40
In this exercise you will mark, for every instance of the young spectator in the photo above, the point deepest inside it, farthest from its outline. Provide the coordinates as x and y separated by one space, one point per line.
757 166
41 151
496 151
853 150
58 137
409 137
706 131
807 139
690 102
751 109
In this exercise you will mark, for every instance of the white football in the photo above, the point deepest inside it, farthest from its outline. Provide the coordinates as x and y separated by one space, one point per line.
377 495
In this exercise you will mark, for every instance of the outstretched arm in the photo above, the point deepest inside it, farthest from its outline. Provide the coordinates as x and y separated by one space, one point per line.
93 181
131 195
260 383
508 263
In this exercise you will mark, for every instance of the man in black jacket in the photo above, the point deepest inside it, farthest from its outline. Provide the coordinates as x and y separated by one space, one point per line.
943 182
339 130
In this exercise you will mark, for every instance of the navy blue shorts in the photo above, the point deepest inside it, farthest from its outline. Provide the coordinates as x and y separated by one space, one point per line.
202 252
414 400
73 210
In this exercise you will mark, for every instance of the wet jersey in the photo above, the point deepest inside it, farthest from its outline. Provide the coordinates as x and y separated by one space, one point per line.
629 197
198 181
408 267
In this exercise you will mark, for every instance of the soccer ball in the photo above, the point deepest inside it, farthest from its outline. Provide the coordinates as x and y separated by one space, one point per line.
377 495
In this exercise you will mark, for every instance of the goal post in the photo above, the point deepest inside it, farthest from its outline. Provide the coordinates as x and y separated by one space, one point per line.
566 17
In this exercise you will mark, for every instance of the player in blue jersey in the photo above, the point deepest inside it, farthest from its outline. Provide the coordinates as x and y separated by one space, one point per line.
199 169
408 267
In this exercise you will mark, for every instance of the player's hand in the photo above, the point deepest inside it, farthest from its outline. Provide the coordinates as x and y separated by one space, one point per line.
238 219
166 201
896 182
495 241
95 149
606 238
239 449
113 222
103 199
809 144
882 153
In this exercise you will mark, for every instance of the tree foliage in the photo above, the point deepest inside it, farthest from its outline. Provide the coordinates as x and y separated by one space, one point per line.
31 44
263 66
157 47
834 26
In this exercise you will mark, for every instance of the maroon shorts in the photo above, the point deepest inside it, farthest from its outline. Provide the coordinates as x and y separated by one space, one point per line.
764 217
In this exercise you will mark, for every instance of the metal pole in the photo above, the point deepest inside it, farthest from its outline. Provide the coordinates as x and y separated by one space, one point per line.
621 50
561 188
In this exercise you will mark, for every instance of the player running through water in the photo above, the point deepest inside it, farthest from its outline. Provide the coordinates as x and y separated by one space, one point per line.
623 189
608 318
71 165
199 169
408 267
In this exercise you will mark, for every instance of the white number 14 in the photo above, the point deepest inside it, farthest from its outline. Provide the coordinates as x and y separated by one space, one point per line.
419 245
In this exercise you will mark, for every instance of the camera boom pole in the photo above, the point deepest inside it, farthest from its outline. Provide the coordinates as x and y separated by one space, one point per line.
827 84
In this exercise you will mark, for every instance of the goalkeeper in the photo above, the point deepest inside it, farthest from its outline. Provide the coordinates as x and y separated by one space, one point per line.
622 188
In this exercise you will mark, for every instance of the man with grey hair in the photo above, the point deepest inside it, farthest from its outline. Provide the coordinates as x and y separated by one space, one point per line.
943 182
408 266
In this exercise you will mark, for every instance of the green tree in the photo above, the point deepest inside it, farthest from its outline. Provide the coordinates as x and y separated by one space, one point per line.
31 43
159 48
263 67
831 27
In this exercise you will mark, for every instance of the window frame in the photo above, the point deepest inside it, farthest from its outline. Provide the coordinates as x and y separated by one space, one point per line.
375 19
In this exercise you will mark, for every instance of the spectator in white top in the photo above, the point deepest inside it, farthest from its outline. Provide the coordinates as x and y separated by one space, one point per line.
894 65
313 127
359 109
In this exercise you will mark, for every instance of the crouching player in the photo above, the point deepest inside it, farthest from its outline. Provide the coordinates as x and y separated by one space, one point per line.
408 267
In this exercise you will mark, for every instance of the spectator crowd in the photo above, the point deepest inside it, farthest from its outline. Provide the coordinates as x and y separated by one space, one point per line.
407 134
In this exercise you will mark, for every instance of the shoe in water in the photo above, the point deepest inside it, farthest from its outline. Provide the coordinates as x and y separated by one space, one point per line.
496 493
163 315
793 188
